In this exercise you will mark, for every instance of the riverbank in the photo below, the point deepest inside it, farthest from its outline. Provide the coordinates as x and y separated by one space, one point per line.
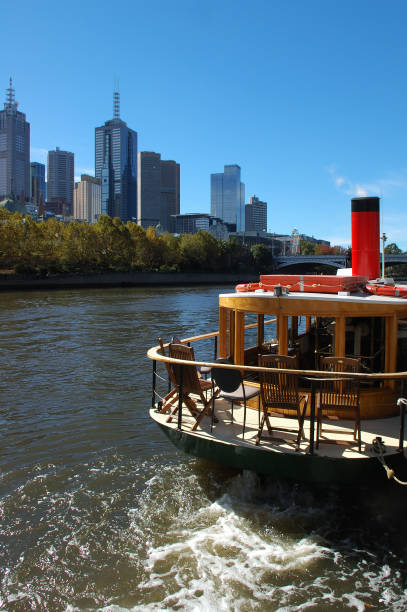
15 282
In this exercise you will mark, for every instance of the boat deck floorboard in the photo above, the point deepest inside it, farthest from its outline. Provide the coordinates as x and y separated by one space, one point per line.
335 445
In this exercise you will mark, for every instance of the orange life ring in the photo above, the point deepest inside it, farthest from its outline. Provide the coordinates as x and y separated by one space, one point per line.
388 290
244 287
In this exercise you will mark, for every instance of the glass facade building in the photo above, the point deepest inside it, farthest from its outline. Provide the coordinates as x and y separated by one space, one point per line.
116 166
14 149
37 182
227 196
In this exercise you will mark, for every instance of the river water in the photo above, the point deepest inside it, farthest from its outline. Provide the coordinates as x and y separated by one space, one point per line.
99 512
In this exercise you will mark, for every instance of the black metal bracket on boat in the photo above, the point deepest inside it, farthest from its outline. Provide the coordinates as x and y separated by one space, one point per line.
314 383
312 418
154 382
180 392
402 404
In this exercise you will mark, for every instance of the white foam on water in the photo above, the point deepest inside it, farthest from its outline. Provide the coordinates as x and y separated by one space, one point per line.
217 557
192 540
234 553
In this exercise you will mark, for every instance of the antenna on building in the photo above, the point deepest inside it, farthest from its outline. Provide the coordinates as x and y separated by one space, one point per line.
116 99
10 95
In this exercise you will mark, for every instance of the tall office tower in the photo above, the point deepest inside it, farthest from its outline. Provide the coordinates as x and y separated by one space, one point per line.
87 199
170 192
37 182
158 185
14 149
149 210
116 165
256 215
227 197
61 178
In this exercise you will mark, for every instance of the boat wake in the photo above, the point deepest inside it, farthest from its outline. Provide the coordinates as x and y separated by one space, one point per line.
119 534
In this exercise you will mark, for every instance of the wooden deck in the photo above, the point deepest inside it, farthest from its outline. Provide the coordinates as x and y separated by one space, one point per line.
231 433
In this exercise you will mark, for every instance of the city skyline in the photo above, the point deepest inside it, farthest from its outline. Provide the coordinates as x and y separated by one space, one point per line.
307 99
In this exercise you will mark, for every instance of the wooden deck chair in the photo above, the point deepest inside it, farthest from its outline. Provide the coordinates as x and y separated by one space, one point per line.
192 384
339 399
172 396
280 396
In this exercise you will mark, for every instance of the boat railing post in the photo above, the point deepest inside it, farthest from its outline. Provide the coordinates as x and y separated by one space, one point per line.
402 404
215 348
154 383
180 391
312 418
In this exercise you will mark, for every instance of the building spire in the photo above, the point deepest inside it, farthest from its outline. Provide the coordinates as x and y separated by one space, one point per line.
10 96
116 100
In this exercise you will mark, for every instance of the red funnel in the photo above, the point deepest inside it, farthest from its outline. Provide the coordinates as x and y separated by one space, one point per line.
365 237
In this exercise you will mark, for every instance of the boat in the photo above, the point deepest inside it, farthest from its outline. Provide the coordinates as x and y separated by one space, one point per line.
320 363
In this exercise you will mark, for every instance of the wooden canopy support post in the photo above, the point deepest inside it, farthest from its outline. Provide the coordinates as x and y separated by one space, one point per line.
307 324
231 347
260 329
294 328
223 331
282 321
390 360
239 338
340 338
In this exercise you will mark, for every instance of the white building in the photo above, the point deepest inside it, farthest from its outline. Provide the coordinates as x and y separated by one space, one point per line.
87 199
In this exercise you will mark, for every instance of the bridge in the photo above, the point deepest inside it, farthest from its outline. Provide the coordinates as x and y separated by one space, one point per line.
394 259
336 261
284 261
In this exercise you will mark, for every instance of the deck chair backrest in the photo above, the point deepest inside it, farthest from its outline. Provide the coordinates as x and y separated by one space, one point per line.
190 380
170 370
340 395
227 380
279 390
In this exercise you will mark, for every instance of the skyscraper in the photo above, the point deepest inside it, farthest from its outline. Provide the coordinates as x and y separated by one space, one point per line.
227 197
14 149
61 178
148 189
256 215
170 191
116 165
37 182
87 199
158 185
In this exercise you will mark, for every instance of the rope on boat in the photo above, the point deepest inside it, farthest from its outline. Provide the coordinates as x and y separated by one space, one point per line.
159 396
160 377
378 447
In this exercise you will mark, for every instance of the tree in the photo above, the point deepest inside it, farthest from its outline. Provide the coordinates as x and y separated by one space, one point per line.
200 251
392 249
307 247
235 256
263 258
171 254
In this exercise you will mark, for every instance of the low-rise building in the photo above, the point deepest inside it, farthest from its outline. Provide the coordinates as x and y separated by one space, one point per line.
193 222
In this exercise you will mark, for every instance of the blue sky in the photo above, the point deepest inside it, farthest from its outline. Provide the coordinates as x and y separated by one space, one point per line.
308 97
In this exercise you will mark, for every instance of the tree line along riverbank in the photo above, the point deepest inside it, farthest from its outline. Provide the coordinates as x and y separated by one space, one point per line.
110 252
38 250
